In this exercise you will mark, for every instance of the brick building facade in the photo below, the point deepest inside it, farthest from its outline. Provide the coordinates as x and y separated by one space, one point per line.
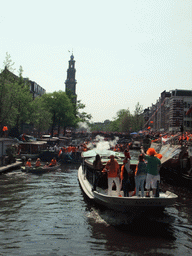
169 112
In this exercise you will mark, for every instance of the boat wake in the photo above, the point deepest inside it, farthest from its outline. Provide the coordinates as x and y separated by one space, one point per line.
95 215
111 217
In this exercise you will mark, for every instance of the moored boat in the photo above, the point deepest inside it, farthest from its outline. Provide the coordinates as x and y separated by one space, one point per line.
177 164
86 179
31 149
136 145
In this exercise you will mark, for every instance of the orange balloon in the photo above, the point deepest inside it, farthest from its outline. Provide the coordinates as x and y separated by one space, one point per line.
5 128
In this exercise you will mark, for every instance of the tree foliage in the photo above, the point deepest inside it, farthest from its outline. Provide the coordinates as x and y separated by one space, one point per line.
61 109
15 97
23 100
8 63
78 106
81 115
123 122
138 120
41 116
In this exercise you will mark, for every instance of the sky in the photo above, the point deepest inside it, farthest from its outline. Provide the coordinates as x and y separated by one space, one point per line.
126 51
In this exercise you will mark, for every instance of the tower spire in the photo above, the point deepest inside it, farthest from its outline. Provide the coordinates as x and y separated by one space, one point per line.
70 82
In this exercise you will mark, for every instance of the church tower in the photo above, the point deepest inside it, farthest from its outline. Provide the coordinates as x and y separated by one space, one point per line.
70 83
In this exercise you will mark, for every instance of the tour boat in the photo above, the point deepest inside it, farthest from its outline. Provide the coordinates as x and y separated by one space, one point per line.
100 195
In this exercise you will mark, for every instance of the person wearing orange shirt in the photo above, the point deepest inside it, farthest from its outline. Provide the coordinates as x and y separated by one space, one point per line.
127 156
53 162
28 163
73 149
64 149
38 163
60 152
112 168
69 149
23 137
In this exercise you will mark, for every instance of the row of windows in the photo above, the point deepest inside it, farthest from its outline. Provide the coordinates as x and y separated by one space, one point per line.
35 88
188 124
187 104
189 115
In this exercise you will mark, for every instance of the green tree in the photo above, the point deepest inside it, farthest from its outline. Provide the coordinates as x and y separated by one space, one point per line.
8 63
6 94
23 101
126 122
82 116
138 120
61 109
41 117
78 106
15 97
122 121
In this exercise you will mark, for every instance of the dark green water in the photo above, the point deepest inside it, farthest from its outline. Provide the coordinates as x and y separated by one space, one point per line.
48 215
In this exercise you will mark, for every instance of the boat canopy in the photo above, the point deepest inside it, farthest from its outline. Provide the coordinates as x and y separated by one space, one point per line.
104 152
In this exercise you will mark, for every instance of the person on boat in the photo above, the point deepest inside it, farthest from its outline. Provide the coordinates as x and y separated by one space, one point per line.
19 150
112 168
73 150
125 178
53 162
146 143
23 137
126 160
38 163
183 155
28 163
69 149
46 165
23 159
140 175
98 167
127 155
60 152
153 166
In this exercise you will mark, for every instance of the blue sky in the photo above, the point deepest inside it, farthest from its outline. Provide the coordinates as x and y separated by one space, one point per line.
126 51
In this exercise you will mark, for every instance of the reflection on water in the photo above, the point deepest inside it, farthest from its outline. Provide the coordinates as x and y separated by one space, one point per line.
48 215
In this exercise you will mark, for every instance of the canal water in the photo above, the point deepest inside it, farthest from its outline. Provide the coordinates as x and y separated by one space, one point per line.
48 215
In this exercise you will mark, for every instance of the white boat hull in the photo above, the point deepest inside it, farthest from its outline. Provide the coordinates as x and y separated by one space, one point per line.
124 204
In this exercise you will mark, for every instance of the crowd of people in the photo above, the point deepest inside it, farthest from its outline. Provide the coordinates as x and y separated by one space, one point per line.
38 163
146 173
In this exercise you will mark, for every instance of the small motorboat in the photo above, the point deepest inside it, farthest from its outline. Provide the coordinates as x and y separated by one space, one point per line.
100 195
40 170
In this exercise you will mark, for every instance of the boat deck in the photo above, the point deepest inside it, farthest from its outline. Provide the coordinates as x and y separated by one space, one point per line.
131 194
